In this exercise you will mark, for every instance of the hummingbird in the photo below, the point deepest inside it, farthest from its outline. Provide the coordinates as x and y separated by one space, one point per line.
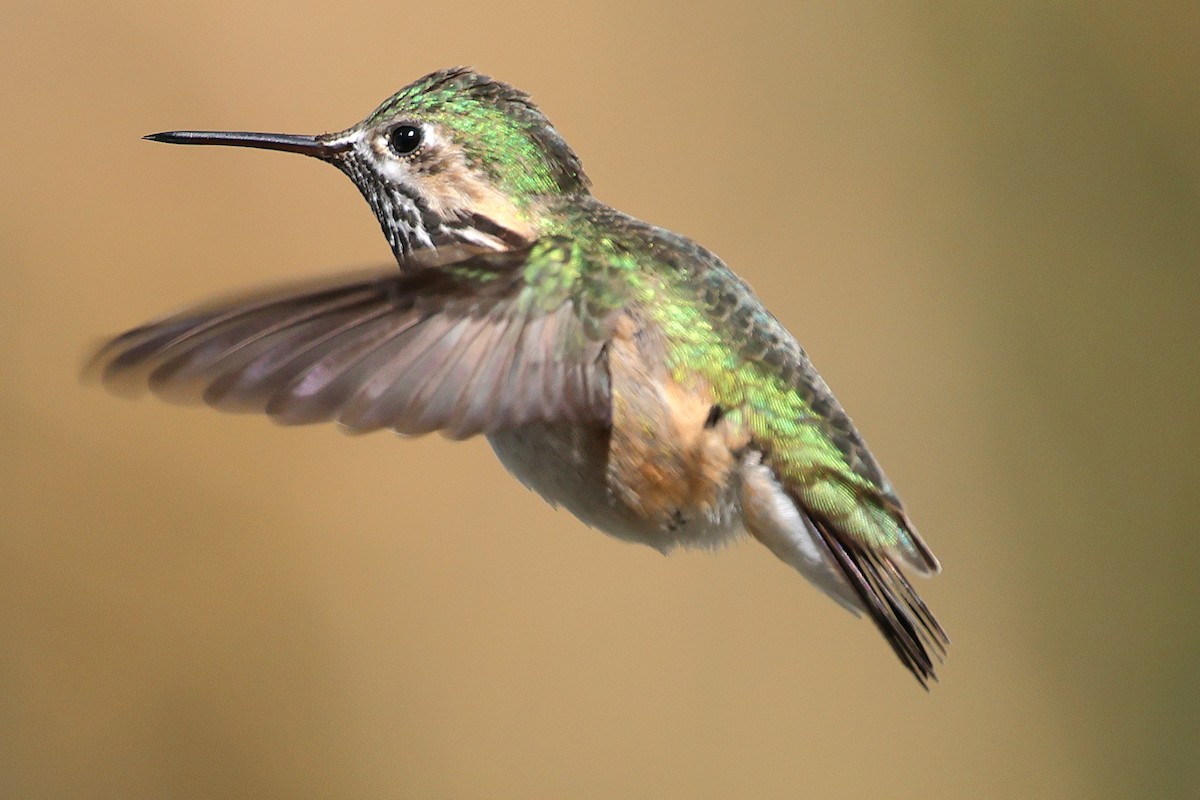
618 369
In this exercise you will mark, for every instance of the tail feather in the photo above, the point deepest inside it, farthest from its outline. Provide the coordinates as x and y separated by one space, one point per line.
891 602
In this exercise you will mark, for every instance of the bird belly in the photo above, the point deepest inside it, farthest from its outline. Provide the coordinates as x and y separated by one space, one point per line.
570 466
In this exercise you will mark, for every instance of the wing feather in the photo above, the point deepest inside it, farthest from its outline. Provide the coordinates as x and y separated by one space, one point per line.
464 348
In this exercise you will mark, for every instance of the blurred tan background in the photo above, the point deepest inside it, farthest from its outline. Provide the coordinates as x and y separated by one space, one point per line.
983 224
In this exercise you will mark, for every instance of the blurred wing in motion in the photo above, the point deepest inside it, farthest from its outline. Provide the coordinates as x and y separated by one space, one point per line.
464 348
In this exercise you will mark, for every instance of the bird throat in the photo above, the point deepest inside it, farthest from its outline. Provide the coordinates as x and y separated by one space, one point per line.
412 226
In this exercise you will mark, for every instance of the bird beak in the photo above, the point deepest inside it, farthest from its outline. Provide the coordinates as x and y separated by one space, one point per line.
323 147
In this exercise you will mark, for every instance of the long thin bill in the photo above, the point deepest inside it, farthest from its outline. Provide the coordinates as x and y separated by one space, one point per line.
290 143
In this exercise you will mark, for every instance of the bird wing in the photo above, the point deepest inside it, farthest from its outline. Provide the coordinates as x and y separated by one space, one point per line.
490 342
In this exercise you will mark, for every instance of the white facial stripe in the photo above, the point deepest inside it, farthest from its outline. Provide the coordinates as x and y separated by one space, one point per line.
476 237
412 218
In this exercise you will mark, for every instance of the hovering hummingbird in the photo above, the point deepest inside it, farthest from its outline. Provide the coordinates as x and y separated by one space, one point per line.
618 369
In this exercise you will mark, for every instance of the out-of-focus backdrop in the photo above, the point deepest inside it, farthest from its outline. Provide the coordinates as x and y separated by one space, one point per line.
984 224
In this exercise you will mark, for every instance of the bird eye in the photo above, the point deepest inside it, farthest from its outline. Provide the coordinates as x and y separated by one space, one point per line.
404 139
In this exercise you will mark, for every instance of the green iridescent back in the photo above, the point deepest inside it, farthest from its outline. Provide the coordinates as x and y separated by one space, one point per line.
718 332
721 334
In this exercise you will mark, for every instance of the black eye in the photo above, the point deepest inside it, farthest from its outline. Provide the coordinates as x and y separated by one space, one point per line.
404 139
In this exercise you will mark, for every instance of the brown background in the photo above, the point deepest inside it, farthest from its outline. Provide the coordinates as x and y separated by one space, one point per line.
983 224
